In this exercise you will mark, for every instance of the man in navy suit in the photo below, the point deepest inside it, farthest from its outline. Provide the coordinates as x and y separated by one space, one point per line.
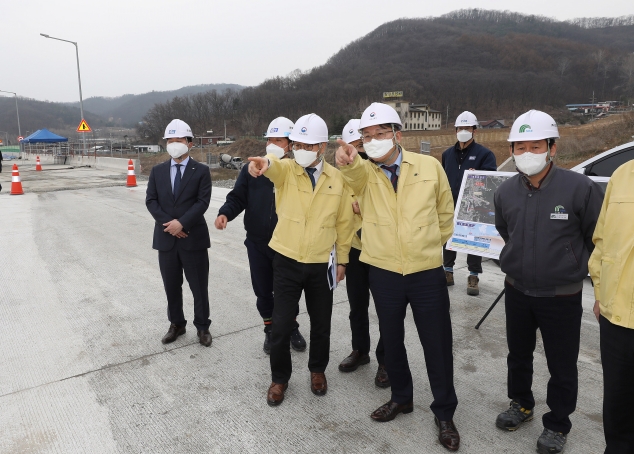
178 195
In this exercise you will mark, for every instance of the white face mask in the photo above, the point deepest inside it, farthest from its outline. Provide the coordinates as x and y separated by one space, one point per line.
304 157
177 149
274 149
464 136
376 149
531 163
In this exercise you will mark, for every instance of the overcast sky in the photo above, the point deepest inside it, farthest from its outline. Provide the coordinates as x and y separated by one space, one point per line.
136 46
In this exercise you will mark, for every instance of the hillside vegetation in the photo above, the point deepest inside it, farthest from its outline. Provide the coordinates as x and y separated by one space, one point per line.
496 64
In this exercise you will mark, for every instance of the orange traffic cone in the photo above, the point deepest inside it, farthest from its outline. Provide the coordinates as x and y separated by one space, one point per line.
16 184
38 164
131 175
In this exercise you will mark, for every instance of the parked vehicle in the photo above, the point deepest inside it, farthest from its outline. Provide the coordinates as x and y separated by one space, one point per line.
604 164
229 162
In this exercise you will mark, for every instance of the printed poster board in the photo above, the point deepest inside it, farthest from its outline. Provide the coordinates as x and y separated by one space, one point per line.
474 217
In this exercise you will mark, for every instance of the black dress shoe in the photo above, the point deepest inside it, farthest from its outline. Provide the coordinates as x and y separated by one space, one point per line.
205 337
173 333
351 362
390 410
382 380
297 341
448 434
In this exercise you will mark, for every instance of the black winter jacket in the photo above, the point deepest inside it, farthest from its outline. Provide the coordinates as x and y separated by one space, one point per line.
256 197
455 161
547 231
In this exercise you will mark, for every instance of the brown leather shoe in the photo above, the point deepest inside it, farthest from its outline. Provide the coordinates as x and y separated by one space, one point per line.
382 380
318 383
172 333
390 410
449 277
275 396
205 338
448 434
351 362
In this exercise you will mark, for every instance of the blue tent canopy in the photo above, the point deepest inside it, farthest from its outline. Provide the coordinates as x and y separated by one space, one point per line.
43 136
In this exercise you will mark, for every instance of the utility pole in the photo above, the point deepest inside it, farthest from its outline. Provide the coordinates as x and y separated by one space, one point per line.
447 118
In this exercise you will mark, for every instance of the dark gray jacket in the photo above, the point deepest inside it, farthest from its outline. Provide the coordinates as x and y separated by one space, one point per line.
548 231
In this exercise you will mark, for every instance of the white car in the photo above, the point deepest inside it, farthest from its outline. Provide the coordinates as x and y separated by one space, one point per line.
604 164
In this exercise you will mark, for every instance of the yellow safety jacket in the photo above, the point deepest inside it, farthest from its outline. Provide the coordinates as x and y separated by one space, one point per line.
403 232
611 264
310 222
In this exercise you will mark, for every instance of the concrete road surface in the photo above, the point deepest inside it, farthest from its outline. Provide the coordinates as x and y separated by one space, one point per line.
83 370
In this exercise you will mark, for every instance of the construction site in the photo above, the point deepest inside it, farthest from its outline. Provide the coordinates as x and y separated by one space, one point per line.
84 369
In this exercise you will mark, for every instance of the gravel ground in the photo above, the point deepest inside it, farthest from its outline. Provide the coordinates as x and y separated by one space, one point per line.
228 184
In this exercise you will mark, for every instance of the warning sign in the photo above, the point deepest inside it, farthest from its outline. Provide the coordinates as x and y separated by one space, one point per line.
83 127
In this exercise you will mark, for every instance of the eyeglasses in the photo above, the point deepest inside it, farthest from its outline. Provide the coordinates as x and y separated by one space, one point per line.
303 146
381 135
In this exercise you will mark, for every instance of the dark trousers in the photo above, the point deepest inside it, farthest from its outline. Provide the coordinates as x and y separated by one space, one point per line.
195 264
474 262
559 321
426 293
261 265
617 357
290 278
358 288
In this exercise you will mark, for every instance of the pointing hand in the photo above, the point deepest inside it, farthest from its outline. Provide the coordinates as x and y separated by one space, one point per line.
257 166
345 153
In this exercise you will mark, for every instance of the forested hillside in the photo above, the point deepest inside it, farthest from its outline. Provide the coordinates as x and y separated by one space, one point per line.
496 64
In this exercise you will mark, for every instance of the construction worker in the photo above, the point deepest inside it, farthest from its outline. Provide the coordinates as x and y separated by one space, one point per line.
256 197
465 154
612 271
546 216
314 220
358 287
407 217
178 194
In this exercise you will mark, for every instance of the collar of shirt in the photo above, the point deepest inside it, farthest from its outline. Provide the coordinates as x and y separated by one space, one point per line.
184 163
319 168
398 162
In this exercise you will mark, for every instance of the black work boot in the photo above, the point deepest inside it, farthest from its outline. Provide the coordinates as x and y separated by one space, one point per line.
512 418
297 340
267 339
551 442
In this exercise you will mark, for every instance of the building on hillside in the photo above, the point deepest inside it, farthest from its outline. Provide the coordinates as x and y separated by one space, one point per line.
416 117
492 124
209 140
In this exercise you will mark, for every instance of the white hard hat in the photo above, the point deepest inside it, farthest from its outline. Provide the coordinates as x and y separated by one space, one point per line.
310 129
280 127
533 125
379 114
466 118
351 131
178 128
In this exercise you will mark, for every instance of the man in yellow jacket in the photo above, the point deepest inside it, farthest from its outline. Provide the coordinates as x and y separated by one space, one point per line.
314 216
407 217
611 267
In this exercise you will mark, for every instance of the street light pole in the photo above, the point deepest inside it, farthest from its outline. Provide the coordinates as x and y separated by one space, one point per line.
16 108
81 100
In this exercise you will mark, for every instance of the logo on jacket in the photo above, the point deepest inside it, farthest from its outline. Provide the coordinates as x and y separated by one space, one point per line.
526 128
560 213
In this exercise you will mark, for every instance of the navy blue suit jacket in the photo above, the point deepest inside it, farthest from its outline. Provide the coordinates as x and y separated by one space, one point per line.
188 206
